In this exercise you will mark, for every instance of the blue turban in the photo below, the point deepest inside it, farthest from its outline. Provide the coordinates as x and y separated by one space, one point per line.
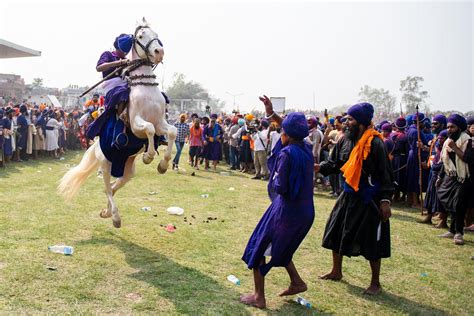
470 120
362 113
401 123
296 126
410 119
421 117
124 42
458 120
23 108
332 120
241 122
214 116
440 118
443 133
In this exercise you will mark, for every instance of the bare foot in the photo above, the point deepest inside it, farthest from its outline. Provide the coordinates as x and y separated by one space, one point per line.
335 276
251 300
373 289
294 289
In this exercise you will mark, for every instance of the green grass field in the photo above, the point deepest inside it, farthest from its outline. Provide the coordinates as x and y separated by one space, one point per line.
141 268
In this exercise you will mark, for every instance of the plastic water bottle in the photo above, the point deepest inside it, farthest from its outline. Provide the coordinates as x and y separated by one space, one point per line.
233 279
65 250
302 301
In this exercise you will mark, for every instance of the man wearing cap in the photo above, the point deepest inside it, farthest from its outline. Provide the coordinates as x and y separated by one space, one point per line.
359 223
453 180
290 215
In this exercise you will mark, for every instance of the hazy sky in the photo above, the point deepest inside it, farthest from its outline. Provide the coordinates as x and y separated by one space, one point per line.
286 49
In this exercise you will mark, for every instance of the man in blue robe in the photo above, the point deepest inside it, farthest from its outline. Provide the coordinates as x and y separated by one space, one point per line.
290 216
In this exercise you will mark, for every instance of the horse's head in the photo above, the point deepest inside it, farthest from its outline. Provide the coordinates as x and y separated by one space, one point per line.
147 44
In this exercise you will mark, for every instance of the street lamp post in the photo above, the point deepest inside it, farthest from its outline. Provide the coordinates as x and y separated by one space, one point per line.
234 95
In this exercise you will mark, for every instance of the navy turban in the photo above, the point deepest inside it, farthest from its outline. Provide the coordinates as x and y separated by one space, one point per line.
362 113
23 108
470 120
214 116
296 126
458 120
440 118
124 42
421 117
443 133
401 123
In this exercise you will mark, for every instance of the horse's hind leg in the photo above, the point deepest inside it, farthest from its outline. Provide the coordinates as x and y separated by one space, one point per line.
128 173
106 169
139 127
170 132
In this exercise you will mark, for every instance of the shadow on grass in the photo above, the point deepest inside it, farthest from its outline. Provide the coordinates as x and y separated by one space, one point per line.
396 303
190 291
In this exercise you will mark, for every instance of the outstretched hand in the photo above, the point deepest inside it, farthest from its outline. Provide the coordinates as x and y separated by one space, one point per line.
268 104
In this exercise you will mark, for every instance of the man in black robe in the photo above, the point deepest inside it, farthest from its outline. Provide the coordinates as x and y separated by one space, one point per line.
358 224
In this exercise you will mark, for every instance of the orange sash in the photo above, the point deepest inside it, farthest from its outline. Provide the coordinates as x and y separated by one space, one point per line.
352 169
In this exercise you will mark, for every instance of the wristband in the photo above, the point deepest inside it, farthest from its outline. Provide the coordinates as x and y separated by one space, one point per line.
270 116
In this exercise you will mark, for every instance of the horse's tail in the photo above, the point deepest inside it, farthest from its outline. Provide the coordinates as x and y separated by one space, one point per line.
73 179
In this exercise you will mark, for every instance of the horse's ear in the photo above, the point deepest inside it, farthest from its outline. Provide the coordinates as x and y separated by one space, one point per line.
144 21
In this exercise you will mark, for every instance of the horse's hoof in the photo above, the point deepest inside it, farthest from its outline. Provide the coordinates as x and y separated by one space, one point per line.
105 213
161 169
147 159
117 224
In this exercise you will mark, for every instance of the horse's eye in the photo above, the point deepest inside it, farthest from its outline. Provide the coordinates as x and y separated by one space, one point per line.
140 36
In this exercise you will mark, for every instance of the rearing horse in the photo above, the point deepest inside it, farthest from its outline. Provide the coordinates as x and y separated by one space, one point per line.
146 110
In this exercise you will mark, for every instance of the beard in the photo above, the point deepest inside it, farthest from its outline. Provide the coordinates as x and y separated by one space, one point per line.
454 136
353 132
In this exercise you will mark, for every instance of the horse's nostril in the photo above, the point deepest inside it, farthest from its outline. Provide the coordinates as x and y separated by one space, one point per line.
157 50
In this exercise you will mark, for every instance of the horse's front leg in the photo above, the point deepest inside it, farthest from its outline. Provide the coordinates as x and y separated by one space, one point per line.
141 127
170 132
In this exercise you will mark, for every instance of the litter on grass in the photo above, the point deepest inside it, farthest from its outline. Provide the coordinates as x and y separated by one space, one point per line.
175 210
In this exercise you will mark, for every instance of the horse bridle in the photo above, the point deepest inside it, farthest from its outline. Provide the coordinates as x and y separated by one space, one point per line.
147 46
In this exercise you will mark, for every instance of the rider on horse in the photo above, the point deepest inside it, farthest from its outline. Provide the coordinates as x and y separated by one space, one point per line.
116 89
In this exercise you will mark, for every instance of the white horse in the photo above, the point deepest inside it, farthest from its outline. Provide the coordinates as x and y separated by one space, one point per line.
147 118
